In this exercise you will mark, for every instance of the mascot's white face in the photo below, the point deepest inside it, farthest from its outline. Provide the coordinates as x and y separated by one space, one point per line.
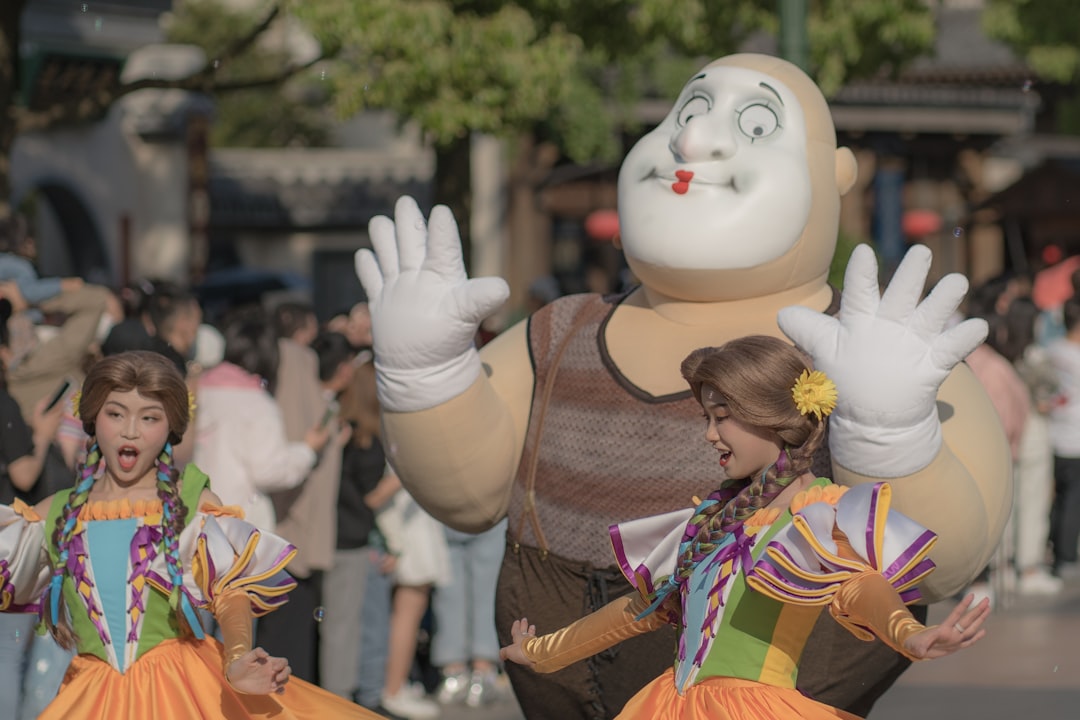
723 182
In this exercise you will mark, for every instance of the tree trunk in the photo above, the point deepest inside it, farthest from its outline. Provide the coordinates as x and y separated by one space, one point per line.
453 172
529 223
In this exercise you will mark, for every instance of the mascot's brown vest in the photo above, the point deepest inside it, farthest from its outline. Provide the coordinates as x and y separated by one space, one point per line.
599 449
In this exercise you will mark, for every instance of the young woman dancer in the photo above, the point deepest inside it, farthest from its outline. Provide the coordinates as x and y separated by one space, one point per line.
744 574
119 564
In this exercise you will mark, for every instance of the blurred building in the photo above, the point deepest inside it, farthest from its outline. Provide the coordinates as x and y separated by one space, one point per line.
101 186
956 152
138 192
935 144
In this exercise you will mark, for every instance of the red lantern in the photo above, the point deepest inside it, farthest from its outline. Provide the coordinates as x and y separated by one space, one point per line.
1052 254
920 223
602 225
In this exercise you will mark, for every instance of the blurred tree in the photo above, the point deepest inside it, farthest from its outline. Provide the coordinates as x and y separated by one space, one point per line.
230 71
287 113
1046 33
571 73
563 75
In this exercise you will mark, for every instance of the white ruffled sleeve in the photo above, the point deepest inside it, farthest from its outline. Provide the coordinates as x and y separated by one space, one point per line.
646 549
223 553
24 562
804 564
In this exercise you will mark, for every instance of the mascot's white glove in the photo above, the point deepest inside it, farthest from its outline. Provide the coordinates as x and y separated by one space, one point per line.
424 309
888 354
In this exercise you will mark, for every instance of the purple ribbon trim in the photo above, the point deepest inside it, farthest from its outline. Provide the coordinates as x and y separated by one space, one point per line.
916 548
146 537
620 553
6 588
631 574
871 524
79 575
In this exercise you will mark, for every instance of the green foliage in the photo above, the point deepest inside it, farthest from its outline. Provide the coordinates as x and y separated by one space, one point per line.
275 115
857 38
845 245
1045 32
574 67
451 72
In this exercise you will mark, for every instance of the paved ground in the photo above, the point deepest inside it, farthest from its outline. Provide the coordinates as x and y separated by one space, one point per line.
1028 666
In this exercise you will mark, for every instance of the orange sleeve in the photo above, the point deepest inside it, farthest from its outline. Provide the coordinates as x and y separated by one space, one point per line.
868 600
590 635
232 610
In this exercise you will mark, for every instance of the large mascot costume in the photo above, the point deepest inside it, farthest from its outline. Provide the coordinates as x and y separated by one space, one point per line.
578 418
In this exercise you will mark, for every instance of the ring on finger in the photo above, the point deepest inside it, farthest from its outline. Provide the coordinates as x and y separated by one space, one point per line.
959 628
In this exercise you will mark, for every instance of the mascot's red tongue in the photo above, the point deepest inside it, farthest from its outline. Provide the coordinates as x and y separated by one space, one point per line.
683 184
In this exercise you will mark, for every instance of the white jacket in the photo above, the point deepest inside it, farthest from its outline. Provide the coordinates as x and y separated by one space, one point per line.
240 443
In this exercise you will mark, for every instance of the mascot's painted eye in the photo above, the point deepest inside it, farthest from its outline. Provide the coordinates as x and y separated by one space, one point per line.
693 107
758 121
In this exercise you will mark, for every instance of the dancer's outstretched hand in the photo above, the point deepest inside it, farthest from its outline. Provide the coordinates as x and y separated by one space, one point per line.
961 629
520 630
257 673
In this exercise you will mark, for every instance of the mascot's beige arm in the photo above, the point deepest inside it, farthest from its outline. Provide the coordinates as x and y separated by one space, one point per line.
458 459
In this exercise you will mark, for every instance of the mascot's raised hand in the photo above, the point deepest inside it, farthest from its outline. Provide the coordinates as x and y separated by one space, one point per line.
888 353
424 309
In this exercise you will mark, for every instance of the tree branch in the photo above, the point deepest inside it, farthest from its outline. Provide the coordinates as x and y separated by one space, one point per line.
210 85
242 44
90 107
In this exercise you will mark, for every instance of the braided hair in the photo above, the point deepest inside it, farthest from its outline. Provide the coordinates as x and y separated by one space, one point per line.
153 376
755 375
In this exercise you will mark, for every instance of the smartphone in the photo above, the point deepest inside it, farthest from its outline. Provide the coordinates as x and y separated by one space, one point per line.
59 394
331 409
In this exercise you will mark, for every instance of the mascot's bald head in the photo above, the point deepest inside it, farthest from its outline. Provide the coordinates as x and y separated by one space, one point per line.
736 193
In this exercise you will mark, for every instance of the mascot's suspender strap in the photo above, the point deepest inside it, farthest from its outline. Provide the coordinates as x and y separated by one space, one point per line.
531 456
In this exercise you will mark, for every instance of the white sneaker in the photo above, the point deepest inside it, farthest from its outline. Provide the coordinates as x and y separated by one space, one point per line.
453 688
483 688
1039 582
410 706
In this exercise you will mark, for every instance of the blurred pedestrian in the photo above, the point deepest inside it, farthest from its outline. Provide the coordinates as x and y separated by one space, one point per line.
363 469
23 452
305 390
1065 436
239 429
465 645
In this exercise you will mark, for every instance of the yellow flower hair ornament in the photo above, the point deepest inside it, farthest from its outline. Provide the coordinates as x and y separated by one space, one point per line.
814 393
78 396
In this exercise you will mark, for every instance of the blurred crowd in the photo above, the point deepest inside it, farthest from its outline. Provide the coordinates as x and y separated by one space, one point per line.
1030 368
392 609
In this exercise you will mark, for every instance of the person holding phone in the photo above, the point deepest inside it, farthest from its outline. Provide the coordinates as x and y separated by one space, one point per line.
23 450
24 445
239 429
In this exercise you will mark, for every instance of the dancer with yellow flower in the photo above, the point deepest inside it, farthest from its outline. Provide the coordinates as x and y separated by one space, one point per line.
119 564
744 573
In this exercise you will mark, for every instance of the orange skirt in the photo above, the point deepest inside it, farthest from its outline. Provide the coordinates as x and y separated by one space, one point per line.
181 680
724 698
